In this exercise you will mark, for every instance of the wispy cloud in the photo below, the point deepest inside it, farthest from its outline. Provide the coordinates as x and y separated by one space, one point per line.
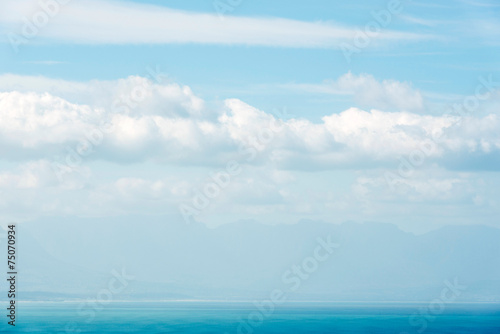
44 62
113 22
420 21
480 3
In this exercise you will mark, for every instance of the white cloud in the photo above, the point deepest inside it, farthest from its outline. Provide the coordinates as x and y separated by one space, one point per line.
44 62
421 187
34 174
369 92
384 134
263 192
170 124
30 120
431 197
132 95
481 3
420 21
97 22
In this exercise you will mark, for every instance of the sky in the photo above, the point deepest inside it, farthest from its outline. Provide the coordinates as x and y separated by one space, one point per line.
226 110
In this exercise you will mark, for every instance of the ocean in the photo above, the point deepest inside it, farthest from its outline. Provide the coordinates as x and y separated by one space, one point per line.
225 317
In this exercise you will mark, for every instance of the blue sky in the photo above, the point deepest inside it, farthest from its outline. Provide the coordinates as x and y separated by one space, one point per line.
459 42
348 122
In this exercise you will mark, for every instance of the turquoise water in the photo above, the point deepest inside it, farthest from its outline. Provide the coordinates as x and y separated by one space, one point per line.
195 317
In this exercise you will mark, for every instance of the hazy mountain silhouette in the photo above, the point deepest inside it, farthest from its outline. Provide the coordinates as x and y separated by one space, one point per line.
246 260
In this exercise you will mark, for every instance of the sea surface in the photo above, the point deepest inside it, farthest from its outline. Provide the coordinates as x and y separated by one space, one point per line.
223 317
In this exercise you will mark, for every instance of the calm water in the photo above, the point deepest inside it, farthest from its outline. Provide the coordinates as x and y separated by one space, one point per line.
177 317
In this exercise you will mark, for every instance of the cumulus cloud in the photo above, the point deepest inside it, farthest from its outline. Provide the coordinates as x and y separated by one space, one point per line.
31 120
167 123
133 95
369 92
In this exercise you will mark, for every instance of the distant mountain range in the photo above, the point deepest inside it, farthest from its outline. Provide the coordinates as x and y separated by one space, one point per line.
247 260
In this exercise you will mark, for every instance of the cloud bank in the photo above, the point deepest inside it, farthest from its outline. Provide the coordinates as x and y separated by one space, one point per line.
136 120
103 130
